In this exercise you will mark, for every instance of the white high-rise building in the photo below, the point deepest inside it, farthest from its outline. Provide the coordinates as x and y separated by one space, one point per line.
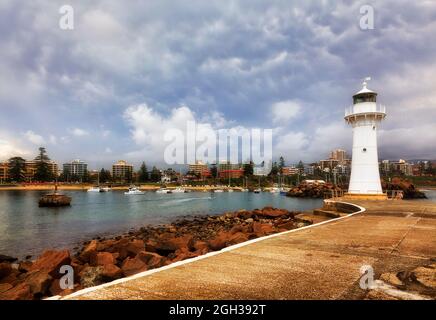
364 116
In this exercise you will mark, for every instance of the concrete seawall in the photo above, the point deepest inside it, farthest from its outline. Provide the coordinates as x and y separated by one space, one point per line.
321 261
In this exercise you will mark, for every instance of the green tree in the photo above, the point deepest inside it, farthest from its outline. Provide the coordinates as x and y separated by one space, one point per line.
214 171
281 163
155 175
43 172
17 167
300 166
105 175
142 173
274 169
248 169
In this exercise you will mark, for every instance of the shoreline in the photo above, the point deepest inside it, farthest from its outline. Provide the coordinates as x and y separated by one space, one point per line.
104 259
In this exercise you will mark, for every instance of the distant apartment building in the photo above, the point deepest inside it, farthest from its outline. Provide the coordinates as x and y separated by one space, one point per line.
226 165
339 155
232 173
328 164
199 168
75 168
290 171
261 171
309 169
385 166
403 166
4 171
122 171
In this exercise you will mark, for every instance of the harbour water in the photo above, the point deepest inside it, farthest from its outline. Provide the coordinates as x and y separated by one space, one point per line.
26 229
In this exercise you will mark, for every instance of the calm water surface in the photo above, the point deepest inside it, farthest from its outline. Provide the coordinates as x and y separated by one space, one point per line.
27 229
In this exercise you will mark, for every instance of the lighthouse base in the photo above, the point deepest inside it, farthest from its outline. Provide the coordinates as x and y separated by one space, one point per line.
365 196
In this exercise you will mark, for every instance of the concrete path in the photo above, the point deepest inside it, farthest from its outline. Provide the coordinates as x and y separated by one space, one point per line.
322 262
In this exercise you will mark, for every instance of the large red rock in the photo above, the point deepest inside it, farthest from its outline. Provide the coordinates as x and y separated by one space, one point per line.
5 287
19 292
135 246
183 254
168 243
90 249
286 225
51 261
152 259
102 258
24 266
261 229
220 241
111 272
132 266
273 212
39 282
236 238
5 269
105 244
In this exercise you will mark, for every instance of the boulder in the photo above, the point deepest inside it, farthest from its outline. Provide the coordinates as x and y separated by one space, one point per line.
39 282
5 269
273 213
168 243
135 246
287 225
51 261
4 258
237 238
102 258
261 229
220 241
19 292
183 254
152 259
426 276
111 272
5 287
134 265
90 249
24 266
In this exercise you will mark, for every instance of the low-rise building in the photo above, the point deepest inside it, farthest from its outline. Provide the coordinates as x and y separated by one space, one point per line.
4 171
290 171
122 171
234 174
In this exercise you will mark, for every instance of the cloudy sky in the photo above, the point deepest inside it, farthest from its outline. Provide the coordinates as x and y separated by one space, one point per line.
109 89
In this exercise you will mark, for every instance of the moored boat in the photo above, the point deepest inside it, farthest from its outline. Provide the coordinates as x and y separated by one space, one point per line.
134 190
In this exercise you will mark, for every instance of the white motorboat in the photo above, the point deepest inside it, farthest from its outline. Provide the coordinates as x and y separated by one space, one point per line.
274 190
229 190
163 191
244 190
218 190
95 189
133 191
257 190
178 190
105 189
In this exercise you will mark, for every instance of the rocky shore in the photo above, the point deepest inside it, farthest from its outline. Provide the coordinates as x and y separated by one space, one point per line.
305 190
103 260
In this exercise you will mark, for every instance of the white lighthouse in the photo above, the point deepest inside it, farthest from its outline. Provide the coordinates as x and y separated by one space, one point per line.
364 116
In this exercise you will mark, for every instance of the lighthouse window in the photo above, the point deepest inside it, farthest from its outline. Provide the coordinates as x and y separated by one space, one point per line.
364 149
369 97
